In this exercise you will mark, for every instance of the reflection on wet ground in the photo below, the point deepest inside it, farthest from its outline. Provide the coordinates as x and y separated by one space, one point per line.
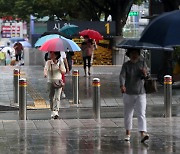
87 136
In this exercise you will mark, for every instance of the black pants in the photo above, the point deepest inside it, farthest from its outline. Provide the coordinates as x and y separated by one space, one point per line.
18 56
87 58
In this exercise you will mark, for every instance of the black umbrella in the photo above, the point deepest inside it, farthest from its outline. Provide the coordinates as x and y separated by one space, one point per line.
135 43
164 30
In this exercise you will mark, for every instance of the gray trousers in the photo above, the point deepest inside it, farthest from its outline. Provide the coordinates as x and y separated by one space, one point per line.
54 97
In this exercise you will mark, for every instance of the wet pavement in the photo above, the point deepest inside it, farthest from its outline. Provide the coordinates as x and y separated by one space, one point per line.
79 136
77 131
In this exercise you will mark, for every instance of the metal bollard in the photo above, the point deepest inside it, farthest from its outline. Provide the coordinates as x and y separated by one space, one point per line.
16 85
96 98
22 99
168 95
75 79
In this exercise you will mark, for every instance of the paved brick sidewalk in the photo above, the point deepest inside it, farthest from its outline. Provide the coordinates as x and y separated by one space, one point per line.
110 91
79 136
83 134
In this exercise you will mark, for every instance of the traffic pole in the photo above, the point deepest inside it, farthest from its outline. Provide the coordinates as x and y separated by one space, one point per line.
168 95
16 85
75 85
22 99
96 98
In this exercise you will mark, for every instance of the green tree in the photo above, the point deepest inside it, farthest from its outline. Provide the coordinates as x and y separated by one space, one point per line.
75 9
118 9
5 9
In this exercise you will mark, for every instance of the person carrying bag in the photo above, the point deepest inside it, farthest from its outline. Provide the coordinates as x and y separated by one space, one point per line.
134 96
52 70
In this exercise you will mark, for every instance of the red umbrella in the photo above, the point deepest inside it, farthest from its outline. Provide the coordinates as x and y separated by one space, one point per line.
55 44
92 34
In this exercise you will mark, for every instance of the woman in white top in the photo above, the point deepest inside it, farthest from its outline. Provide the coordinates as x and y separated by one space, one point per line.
53 70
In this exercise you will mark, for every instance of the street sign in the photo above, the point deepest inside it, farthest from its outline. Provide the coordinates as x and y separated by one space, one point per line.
133 13
107 29
10 31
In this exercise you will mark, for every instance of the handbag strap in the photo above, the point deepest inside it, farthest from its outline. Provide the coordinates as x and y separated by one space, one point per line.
52 69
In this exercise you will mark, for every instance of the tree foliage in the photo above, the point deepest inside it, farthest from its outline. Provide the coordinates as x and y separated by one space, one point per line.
74 9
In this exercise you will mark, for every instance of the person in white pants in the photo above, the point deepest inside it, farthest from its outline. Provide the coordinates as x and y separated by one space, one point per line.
131 78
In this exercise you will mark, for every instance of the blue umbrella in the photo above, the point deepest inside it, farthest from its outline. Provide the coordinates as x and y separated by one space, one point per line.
25 44
134 43
72 44
69 29
164 30
45 38
16 39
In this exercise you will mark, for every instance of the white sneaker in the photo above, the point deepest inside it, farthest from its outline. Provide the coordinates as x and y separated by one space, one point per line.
54 114
63 94
127 138
144 138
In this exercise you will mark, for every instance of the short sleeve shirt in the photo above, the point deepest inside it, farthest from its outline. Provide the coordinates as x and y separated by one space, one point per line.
63 54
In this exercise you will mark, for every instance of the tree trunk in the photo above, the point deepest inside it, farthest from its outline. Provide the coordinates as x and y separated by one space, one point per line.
121 14
118 15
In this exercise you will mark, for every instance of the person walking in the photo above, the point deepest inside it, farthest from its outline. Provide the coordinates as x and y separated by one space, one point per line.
8 58
87 48
9 53
53 71
131 78
69 56
18 51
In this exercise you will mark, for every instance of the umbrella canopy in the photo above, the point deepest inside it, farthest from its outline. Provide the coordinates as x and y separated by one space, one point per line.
164 30
45 38
134 43
92 34
60 44
25 44
16 39
69 29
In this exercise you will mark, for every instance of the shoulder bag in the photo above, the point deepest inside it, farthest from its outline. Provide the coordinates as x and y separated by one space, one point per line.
150 85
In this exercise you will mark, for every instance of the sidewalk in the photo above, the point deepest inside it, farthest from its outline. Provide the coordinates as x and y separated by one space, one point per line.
111 96
80 136
77 132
